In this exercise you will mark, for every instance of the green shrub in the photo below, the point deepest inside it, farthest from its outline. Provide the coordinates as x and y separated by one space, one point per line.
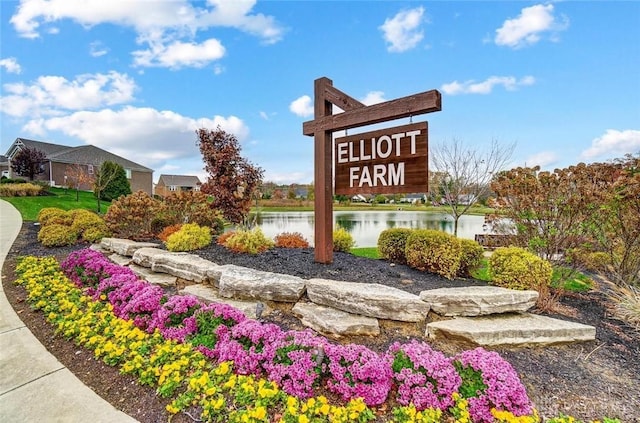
20 190
189 237
56 235
169 230
342 240
470 257
291 240
95 233
248 241
88 225
49 215
132 216
392 243
190 207
517 268
433 251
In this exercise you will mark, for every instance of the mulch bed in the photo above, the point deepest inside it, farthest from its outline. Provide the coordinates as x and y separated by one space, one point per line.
588 380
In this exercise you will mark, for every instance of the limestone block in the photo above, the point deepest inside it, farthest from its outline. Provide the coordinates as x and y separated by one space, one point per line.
145 256
120 259
161 279
186 266
511 329
330 321
211 295
244 283
124 247
368 299
478 300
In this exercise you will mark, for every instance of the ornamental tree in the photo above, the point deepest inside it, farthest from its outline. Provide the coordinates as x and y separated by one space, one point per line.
232 180
466 173
28 162
111 182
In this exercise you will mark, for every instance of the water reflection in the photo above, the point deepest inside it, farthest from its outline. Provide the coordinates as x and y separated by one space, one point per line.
365 226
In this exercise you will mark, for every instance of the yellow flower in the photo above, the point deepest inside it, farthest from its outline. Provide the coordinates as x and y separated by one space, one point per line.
303 419
259 413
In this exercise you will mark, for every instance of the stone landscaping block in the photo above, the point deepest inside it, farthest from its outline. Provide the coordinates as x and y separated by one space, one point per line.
145 256
368 299
98 248
186 266
244 283
161 279
120 259
333 322
124 247
211 295
478 300
511 329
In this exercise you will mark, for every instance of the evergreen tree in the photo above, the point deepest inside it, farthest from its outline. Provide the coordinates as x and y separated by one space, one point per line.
111 182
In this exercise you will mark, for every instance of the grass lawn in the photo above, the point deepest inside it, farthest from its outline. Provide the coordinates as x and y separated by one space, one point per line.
368 252
60 198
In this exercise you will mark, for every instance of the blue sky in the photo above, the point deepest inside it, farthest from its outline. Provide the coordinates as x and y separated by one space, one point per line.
137 78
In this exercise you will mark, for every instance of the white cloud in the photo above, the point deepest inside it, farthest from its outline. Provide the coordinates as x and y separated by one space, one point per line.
144 135
302 106
402 32
50 95
529 26
97 49
613 143
542 159
289 178
168 27
11 65
510 83
373 97
178 54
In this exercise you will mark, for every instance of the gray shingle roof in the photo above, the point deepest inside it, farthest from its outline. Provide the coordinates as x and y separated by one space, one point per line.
179 180
84 154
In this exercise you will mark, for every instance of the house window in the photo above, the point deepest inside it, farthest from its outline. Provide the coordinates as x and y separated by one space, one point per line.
196 188
90 169
128 173
172 187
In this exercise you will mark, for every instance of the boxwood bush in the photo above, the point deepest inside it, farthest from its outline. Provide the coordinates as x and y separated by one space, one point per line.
470 258
517 268
56 235
433 251
392 243
342 240
189 237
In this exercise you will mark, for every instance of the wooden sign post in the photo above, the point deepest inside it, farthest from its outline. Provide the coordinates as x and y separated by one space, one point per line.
355 115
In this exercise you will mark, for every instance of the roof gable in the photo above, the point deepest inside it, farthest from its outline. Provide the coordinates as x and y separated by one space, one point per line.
179 180
85 154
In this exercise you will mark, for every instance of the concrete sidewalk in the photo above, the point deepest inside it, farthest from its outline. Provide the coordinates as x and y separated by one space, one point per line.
34 385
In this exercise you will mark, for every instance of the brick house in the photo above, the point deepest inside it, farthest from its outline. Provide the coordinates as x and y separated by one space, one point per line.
4 166
168 184
60 157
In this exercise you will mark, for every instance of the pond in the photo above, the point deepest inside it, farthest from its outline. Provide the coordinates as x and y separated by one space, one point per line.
366 226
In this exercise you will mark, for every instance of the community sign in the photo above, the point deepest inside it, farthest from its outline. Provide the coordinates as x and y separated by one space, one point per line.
386 161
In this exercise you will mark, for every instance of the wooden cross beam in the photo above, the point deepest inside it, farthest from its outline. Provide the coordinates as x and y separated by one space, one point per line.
355 115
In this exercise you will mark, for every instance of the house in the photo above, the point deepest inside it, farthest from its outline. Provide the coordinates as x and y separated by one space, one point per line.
177 183
4 166
413 198
60 158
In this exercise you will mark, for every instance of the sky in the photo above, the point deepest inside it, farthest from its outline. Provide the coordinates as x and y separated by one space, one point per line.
560 80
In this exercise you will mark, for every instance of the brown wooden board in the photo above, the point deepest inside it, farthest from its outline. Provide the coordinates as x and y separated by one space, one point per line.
385 161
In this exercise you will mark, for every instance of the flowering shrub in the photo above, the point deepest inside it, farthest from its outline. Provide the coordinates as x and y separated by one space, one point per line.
248 345
503 389
175 318
138 301
291 240
208 318
356 371
87 268
425 378
298 363
132 216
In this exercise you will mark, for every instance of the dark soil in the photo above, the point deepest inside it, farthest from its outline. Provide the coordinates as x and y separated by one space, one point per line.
588 380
